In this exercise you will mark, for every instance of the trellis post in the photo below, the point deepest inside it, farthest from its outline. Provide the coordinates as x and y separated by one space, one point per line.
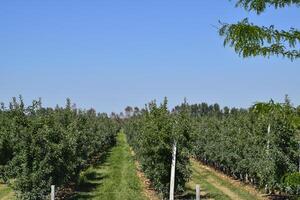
299 158
172 181
52 195
197 192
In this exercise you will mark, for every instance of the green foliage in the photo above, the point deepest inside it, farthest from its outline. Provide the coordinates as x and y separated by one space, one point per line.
152 134
239 143
248 39
44 146
292 182
260 5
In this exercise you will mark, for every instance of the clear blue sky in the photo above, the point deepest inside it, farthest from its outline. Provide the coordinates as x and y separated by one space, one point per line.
107 54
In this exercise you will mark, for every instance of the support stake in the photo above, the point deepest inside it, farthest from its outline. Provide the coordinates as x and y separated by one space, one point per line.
172 181
52 195
197 192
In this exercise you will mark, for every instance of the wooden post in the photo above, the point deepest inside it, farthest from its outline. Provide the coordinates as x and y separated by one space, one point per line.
172 179
52 195
197 192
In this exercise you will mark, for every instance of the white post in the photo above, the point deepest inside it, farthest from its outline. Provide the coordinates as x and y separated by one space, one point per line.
52 195
197 192
268 150
172 181
299 159
268 137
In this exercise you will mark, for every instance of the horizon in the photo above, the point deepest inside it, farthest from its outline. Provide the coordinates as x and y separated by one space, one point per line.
170 108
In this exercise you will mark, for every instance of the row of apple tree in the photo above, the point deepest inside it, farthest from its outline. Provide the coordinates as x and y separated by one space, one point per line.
43 146
258 145
152 132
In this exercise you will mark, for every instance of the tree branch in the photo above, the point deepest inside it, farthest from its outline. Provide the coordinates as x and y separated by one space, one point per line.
260 5
251 40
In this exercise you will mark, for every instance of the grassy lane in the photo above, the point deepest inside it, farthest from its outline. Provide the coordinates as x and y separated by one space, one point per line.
216 186
6 193
115 179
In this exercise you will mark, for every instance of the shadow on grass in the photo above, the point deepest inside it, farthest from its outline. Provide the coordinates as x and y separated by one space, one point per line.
191 195
90 179
282 197
91 182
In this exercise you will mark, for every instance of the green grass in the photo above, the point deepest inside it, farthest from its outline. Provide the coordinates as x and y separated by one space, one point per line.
114 179
208 191
215 187
6 193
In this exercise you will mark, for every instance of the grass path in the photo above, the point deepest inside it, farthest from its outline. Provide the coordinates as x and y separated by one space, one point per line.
115 179
216 186
6 193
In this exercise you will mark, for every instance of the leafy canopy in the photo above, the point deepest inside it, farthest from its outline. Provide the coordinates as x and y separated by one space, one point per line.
249 39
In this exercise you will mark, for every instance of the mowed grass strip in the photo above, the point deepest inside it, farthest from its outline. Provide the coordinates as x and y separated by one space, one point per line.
115 179
6 193
215 187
